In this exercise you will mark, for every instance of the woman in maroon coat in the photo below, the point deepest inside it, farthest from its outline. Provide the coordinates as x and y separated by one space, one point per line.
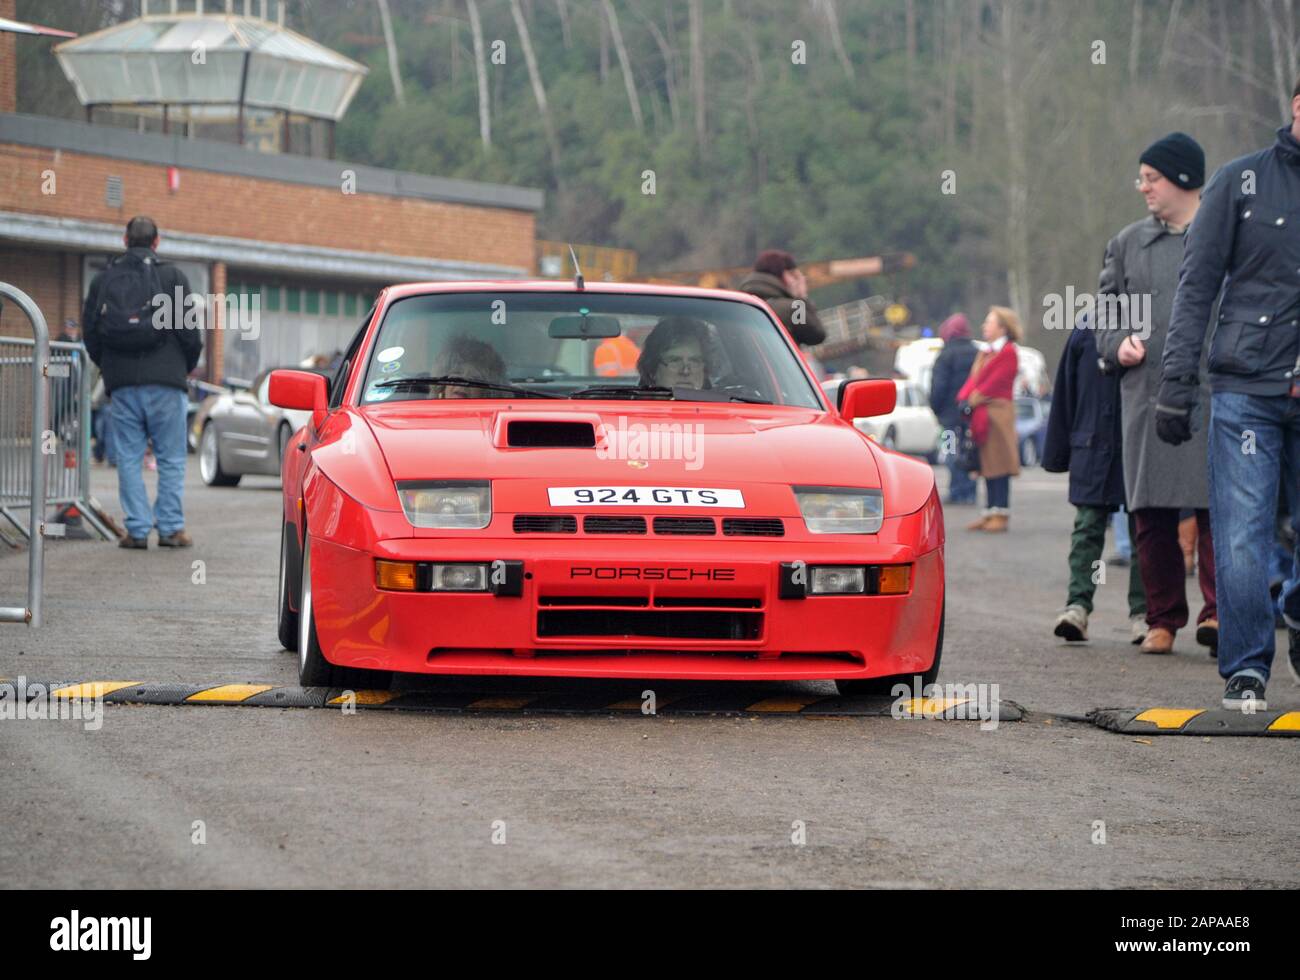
990 391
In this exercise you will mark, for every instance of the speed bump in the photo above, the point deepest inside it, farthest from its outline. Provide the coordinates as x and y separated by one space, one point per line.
1196 721
670 699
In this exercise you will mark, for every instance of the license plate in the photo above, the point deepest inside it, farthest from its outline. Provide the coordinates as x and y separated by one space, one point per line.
644 497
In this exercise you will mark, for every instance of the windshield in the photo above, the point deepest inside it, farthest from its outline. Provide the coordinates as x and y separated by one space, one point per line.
568 345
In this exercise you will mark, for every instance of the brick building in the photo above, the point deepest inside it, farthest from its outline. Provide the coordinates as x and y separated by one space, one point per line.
310 240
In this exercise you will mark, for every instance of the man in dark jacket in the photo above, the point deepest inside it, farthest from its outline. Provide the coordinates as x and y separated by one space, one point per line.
1084 437
951 369
146 378
1244 240
777 280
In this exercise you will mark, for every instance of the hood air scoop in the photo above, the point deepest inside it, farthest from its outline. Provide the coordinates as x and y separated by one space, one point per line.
540 433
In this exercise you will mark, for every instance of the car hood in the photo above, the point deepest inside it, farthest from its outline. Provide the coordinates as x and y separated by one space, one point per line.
679 444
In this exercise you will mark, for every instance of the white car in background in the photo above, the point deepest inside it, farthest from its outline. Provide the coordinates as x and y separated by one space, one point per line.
910 428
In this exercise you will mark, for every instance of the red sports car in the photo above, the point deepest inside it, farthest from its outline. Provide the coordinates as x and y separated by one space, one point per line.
542 478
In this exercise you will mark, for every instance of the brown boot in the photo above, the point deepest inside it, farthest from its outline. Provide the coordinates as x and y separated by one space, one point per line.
1159 640
996 524
979 525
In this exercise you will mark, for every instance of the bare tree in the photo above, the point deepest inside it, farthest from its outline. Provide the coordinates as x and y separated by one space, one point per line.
1166 45
1280 18
909 20
625 63
539 90
1135 40
952 58
669 57
480 69
1017 178
394 69
828 12
697 72
566 32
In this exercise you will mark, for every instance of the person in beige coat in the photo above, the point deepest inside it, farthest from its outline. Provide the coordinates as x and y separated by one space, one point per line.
990 392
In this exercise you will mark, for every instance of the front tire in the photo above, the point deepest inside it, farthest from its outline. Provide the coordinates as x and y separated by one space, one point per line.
285 435
210 460
287 621
313 669
884 686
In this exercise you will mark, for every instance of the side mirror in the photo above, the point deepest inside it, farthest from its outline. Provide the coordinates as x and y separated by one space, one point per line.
300 390
863 399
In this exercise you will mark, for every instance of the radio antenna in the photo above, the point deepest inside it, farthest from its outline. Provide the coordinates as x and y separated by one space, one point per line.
578 281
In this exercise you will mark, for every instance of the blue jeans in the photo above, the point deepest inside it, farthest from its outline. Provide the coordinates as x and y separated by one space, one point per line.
997 492
103 431
1120 521
155 414
1254 442
961 488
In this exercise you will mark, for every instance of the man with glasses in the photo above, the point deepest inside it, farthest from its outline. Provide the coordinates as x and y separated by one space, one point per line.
1134 303
1245 241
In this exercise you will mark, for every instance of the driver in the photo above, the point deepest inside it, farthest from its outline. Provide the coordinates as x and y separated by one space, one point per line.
676 354
466 357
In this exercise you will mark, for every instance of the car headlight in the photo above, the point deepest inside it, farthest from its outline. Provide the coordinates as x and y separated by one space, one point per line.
447 503
840 510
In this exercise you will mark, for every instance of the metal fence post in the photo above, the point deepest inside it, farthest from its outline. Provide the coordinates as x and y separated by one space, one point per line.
31 612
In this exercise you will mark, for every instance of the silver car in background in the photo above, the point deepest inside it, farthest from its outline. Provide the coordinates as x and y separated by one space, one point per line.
237 431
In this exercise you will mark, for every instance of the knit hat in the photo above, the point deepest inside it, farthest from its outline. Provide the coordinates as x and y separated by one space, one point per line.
1178 157
956 326
773 261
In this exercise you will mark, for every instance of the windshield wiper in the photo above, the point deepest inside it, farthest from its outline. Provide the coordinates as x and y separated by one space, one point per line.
623 391
455 380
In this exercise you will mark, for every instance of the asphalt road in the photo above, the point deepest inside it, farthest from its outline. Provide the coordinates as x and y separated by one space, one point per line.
293 797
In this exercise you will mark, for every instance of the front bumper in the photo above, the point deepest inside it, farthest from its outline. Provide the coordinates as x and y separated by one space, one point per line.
640 596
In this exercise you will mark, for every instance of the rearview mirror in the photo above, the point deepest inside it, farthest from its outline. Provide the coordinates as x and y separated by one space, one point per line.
864 399
583 327
302 391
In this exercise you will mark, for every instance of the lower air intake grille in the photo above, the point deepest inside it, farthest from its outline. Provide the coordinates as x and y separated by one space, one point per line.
762 527
692 625
546 524
613 525
685 525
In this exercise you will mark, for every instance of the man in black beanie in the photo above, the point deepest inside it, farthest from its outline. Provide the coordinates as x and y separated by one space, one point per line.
1179 158
1136 296
1245 242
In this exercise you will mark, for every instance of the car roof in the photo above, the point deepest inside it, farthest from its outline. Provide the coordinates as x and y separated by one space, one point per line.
405 290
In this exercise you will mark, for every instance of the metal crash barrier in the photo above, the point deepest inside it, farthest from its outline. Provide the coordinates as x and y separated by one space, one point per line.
44 444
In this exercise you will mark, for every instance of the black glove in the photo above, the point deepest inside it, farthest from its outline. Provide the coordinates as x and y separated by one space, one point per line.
1174 406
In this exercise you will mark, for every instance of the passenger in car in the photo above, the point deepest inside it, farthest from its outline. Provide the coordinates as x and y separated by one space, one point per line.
676 353
465 357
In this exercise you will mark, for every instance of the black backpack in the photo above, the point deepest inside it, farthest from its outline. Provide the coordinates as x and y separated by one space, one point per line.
126 304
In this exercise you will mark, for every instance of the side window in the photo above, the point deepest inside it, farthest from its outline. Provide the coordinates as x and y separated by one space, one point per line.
340 381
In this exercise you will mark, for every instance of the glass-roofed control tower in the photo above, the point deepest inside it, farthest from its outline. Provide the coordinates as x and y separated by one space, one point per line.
214 73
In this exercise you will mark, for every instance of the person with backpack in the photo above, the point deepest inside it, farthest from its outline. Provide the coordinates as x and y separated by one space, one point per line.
950 371
136 333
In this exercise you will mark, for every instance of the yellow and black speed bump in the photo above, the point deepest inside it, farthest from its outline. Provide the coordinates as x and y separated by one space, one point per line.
673 698
1196 721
